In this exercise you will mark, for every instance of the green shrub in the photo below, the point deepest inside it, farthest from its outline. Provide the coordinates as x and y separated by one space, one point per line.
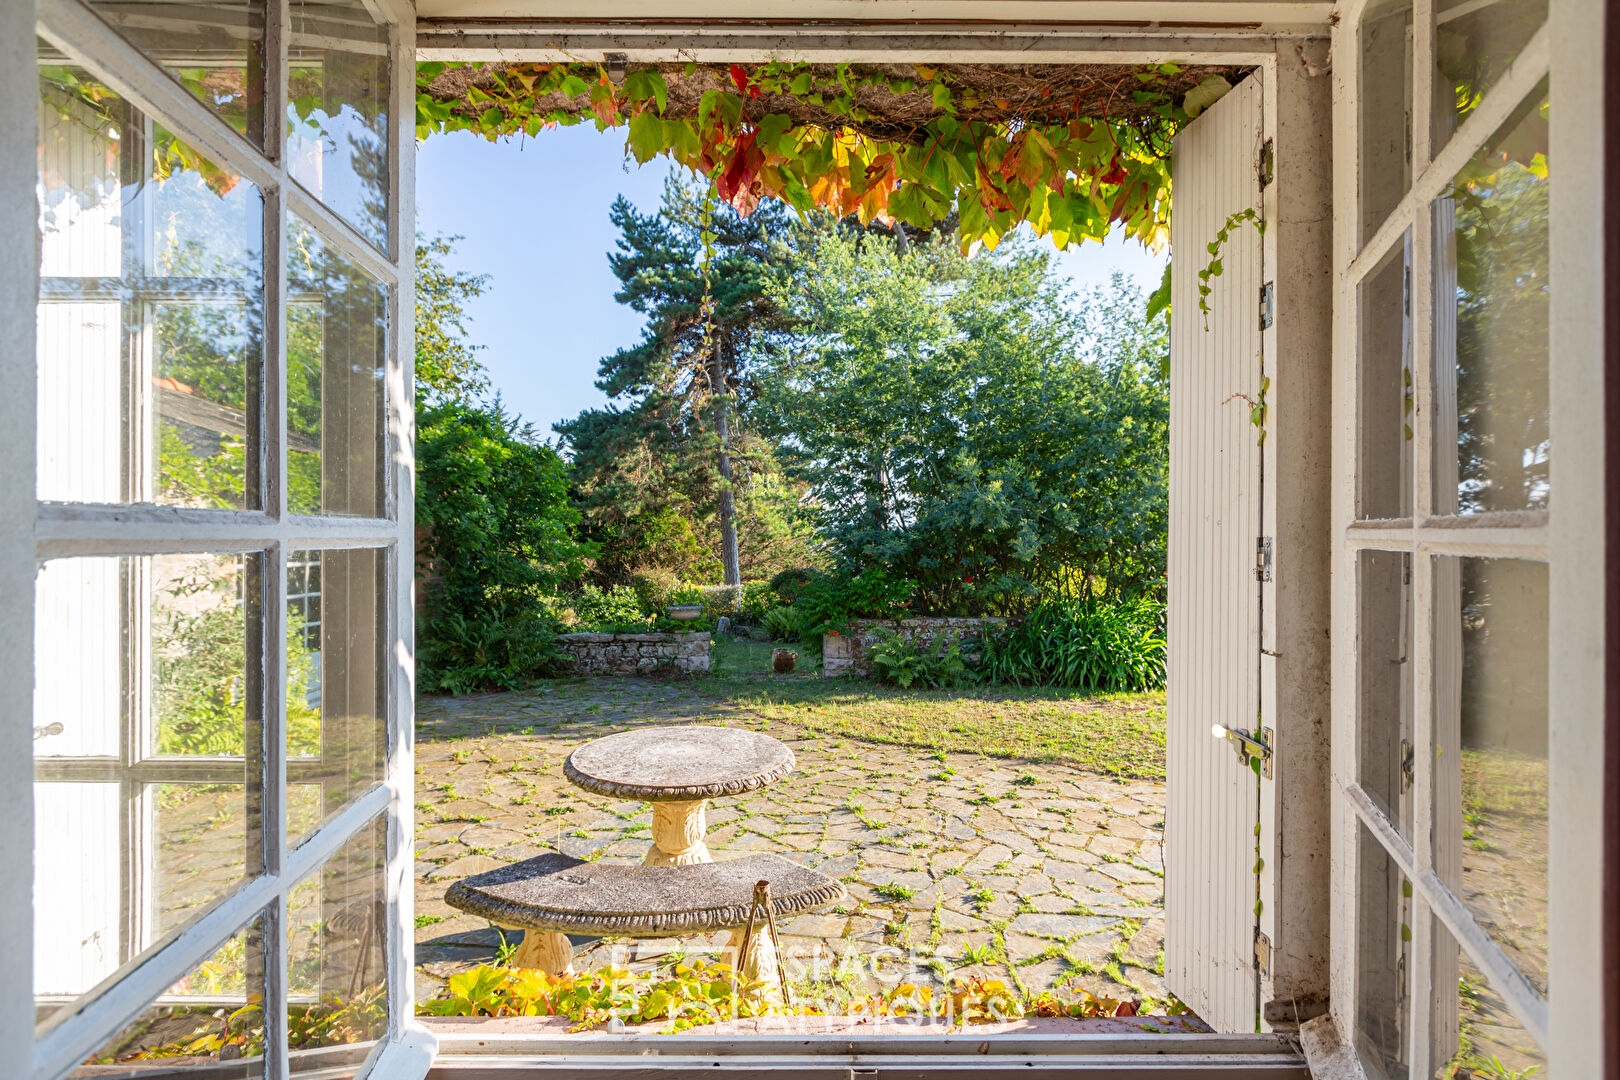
784 623
788 584
598 607
758 598
828 601
500 648
498 538
1092 644
655 589
899 660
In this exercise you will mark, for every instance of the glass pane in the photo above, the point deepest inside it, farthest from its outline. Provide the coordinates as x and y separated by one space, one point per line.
1384 483
148 756
1385 681
212 1016
1474 44
337 319
214 48
1383 942
1491 294
336 926
1385 167
151 309
337 110
337 738
1491 808
1475 1033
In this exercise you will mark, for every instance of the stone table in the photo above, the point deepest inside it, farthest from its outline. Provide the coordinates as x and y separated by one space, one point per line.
678 770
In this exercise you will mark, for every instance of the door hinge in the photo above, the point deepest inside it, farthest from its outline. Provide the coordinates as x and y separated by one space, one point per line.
1246 746
1262 558
1262 953
1267 303
1268 162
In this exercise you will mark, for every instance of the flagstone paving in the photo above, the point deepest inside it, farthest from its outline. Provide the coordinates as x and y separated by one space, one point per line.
1038 874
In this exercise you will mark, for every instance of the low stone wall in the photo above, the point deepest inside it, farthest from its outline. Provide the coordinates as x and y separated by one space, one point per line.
637 654
849 653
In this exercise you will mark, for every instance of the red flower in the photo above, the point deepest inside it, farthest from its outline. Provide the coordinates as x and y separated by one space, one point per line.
968 580
834 633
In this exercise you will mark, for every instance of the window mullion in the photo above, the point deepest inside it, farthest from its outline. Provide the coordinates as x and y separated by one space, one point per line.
1423 37
1521 77
399 399
80 33
340 234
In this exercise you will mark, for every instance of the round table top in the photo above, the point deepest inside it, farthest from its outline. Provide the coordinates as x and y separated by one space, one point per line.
678 764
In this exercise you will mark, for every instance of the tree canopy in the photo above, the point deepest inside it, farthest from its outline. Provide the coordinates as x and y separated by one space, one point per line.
962 425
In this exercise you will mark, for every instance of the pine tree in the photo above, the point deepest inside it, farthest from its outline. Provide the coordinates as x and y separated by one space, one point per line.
664 461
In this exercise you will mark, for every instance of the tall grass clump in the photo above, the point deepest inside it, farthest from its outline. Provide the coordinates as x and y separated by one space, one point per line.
1088 644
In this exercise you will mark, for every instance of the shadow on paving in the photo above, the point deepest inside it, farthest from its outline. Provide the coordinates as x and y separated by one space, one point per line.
1042 875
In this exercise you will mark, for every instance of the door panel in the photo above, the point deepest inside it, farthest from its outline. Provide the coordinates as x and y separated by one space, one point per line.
1214 621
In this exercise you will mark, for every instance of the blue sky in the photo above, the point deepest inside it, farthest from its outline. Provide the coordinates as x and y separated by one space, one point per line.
534 216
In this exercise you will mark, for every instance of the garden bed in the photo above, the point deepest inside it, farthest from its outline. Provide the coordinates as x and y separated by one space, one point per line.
849 652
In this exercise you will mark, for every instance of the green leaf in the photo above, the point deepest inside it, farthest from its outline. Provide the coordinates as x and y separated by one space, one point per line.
1205 94
573 86
646 137
1159 299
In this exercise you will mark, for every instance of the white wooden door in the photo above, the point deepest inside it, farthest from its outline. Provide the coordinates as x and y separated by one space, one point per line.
1211 887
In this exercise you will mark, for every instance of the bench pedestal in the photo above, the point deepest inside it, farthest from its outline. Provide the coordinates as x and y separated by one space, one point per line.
544 950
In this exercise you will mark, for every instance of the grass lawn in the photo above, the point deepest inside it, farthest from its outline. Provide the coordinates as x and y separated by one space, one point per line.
1113 734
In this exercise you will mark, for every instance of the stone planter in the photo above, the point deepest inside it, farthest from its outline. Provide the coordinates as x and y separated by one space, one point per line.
636 654
849 653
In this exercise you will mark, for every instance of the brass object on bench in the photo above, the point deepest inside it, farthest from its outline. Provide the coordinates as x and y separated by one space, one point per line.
553 895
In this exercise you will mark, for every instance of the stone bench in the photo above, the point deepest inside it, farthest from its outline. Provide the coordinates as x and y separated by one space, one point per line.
554 895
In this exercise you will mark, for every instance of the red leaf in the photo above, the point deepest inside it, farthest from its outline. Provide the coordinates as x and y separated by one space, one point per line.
1116 175
734 184
740 76
1126 1008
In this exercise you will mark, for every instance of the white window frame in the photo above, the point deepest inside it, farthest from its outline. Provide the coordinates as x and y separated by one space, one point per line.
53 530
1568 537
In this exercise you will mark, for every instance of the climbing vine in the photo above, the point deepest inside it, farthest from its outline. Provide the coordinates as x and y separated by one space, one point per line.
1213 269
952 151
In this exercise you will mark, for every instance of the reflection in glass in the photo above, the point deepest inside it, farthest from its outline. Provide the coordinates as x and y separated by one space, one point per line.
214 48
148 745
1491 297
336 935
1383 944
1475 1033
1385 766
1385 386
337 320
1385 162
336 733
1491 809
1473 45
337 110
212 1016
151 308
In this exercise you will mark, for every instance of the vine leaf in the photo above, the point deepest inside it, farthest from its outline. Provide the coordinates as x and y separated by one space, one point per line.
1205 94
